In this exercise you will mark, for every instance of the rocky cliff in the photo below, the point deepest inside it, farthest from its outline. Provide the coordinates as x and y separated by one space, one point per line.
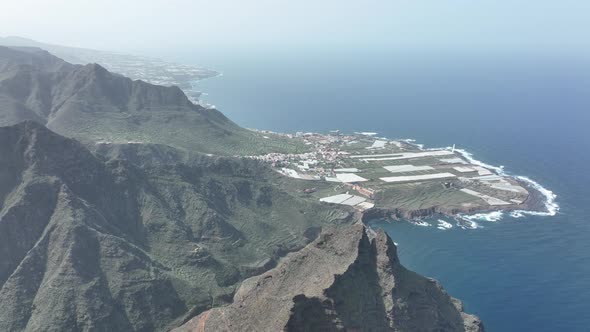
346 280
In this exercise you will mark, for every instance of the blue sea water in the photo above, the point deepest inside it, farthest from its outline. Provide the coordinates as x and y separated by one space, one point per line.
529 113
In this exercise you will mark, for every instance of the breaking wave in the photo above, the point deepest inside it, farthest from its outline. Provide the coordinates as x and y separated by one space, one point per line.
491 216
468 224
469 156
466 221
550 203
443 225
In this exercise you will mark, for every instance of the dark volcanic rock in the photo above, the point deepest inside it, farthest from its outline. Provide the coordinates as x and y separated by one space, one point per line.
343 281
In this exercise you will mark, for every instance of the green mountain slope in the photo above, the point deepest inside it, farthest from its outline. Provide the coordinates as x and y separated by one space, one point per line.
99 243
93 105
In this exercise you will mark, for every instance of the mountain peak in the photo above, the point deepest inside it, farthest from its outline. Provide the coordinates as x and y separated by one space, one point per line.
354 282
95 67
12 57
93 105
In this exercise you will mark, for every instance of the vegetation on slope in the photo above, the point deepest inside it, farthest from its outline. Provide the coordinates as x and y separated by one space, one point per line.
93 105
90 243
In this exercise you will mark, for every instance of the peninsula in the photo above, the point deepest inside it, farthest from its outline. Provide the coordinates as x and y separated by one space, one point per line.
400 179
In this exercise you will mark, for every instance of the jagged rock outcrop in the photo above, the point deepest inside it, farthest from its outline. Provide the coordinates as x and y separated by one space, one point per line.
345 280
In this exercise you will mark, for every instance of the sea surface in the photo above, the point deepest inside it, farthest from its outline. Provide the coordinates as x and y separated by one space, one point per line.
527 113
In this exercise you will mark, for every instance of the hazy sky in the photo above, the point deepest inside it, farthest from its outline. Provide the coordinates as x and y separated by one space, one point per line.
130 25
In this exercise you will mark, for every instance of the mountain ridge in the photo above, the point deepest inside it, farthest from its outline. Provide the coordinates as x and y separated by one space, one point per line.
92 105
91 243
354 282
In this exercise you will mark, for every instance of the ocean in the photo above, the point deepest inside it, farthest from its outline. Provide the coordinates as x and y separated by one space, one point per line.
529 113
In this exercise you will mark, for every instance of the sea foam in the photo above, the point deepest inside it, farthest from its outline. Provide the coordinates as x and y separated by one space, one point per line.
469 221
550 203
443 225
467 224
490 216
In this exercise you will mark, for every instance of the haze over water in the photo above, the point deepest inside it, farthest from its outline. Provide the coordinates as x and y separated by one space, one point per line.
527 113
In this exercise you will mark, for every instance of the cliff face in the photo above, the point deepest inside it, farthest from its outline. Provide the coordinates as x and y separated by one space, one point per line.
343 281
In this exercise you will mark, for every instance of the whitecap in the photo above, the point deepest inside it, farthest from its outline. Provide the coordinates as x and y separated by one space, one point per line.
420 223
469 156
490 216
468 224
550 204
443 225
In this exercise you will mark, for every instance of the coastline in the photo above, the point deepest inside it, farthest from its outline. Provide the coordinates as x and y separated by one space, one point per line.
550 197
541 202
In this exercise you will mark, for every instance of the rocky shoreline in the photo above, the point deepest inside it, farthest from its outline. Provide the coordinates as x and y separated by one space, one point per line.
534 203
